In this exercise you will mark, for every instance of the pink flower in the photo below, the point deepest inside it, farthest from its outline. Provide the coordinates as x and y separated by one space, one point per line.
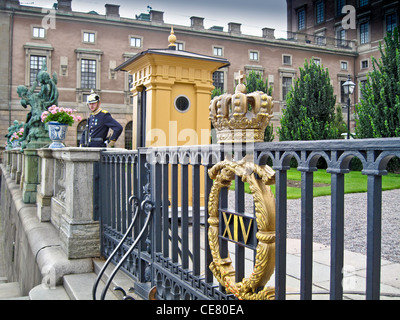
44 115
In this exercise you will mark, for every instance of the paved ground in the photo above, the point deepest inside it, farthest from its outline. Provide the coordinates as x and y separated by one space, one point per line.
355 244
355 222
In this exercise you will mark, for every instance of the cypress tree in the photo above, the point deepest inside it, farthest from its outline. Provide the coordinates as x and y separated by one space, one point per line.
378 113
255 82
310 111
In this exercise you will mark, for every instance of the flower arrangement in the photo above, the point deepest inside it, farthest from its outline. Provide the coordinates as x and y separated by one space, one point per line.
61 115
16 135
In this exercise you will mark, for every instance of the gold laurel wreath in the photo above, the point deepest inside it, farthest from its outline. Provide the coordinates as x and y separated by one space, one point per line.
222 174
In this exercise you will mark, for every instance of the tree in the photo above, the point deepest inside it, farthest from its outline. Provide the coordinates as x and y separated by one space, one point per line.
254 82
378 113
310 110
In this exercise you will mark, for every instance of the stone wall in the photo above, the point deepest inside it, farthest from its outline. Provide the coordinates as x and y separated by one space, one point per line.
47 215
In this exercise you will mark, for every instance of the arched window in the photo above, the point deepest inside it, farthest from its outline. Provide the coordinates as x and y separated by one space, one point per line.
79 131
128 136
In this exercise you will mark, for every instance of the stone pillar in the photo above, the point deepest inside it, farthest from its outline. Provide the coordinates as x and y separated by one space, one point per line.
14 164
20 159
31 175
46 188
79 233
7 160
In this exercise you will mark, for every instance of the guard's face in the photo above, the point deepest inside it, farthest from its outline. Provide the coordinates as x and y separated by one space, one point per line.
94 106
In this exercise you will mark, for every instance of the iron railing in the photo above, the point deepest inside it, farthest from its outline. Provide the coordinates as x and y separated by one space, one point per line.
172 185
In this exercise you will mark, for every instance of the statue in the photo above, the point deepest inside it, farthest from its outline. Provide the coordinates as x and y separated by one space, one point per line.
11 130
35 131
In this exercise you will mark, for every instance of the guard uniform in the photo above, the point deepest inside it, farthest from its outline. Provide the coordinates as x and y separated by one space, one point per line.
98 125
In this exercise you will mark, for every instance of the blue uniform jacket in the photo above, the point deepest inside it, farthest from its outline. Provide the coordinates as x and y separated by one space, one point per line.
98 126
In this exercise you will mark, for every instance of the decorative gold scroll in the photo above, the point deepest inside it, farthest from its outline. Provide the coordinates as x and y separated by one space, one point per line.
222 174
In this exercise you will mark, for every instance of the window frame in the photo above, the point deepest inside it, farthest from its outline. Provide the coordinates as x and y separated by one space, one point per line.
87 54
287 56
44 50
89 33
301 13
320 12
364 32
216 80
136 38
252 53
218 48
364 64
91 76
40 30
38 69
394 24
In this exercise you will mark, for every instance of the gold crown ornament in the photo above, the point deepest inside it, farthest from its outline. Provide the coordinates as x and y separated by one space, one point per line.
241 117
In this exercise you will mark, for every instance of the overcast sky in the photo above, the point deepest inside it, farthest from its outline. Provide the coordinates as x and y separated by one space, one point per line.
253 15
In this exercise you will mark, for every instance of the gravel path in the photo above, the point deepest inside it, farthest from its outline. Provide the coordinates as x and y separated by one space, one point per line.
355 222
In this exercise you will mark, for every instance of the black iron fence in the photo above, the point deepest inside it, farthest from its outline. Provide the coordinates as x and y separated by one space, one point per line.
166 190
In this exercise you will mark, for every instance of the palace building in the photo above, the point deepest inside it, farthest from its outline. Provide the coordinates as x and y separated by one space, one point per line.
84 49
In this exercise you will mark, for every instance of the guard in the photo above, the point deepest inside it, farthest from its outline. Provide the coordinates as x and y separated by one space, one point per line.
98 125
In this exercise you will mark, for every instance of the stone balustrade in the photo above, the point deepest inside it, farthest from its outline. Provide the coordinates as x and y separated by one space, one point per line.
60 183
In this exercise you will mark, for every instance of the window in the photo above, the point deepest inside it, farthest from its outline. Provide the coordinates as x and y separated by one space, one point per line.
286 86
182 103
254 55
364 32
89 37
180 46
363 3
341 37
320 38
218 80
339 7
343 96
218 51
287 60
364 64
391 22
343 65
38 32
128 136
320 12
79 130
317 61
88 74
136 42
36 63
301 19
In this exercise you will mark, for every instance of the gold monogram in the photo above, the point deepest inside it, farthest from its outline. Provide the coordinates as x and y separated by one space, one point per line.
222 174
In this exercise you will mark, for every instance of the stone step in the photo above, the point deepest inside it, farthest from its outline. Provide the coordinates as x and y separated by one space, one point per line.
121 280
41 292
79 286
11 291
